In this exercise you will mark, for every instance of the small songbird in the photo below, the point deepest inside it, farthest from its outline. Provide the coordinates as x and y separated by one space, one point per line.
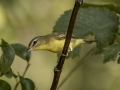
54 42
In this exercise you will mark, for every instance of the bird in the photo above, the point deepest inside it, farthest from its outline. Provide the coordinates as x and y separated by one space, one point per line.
54 42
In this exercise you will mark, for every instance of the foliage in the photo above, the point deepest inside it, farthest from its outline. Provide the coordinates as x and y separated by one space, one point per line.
112 53
27 84
6 60
20 50
100 21
4 85
90 22
7 57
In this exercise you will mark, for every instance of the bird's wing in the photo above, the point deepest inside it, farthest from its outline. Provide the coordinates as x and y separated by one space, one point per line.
61 36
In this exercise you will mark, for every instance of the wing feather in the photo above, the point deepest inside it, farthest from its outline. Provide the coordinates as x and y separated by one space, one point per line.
61 36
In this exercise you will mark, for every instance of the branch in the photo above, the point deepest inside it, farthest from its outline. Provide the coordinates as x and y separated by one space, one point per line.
78 64
59 66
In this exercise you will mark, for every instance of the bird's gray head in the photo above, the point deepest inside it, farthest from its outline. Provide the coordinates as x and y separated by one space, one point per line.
34 42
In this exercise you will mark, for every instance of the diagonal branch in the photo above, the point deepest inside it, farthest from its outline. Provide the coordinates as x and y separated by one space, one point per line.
59 66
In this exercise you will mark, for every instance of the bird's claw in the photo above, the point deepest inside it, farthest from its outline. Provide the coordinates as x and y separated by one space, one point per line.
56 69
64 54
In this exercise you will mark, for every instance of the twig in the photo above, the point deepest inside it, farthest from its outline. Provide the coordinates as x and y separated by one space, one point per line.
78 64
15 76
28 65
58 68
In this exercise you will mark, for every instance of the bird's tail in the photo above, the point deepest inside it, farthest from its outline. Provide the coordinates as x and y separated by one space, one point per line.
90 41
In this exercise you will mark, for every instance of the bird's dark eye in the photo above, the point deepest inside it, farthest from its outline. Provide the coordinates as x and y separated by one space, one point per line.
34 42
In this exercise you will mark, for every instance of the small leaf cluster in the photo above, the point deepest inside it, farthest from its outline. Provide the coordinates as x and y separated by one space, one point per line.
100 21
8 54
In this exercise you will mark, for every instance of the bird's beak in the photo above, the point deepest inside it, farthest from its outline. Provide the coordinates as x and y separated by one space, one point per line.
28 50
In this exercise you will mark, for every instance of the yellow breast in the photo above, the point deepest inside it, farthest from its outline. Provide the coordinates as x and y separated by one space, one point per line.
56 45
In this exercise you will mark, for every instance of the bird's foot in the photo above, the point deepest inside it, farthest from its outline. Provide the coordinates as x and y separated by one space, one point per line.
64 54
56 69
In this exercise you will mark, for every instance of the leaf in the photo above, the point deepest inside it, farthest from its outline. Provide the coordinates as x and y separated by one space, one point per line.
75 53
27 84
4 85
9 73
71 54
111 7
100 22
111 53
20 50
7 57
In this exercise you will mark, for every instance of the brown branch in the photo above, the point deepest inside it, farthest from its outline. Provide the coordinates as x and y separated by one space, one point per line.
78 64
58 68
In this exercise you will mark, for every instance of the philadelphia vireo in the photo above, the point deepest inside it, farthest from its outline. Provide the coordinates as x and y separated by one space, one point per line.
54 42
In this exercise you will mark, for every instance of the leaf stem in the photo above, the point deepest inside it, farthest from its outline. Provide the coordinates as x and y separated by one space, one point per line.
28 65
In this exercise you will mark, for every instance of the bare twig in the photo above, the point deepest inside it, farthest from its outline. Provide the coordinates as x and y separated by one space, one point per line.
28 65
58 68
78 64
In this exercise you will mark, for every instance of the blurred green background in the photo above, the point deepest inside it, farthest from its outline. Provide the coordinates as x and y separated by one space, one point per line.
20 21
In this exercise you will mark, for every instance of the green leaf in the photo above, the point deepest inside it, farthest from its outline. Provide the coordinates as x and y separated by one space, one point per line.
9 73
111 7
111 53
76 52
27 84
20 50
7 57
100 22
4 85
71 54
